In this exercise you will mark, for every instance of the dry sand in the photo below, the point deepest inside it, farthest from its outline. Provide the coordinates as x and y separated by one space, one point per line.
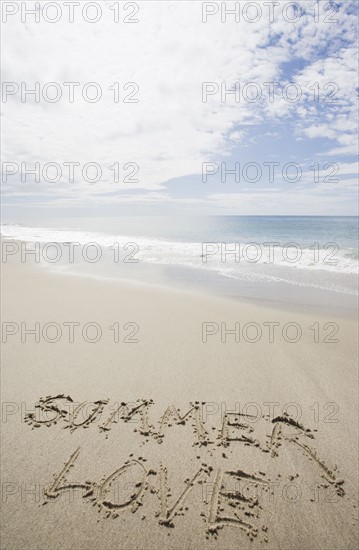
255 484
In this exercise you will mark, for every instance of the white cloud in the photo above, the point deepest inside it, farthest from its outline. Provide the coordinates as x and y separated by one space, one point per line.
170 132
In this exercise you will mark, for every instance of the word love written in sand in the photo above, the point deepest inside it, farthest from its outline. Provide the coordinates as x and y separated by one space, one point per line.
240 507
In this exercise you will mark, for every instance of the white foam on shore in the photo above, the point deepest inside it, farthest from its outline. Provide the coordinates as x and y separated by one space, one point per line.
187 253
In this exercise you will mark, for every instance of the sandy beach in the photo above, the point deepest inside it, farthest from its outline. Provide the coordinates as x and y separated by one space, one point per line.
179 275
164 431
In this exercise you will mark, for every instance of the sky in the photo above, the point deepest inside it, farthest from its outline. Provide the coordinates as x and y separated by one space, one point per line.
179 144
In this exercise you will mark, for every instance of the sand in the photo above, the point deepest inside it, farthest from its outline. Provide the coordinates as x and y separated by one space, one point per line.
265 458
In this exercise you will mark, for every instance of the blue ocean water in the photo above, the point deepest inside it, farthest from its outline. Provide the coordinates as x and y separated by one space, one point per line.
288 259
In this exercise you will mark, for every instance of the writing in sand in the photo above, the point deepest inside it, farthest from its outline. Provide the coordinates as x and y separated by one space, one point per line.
231 496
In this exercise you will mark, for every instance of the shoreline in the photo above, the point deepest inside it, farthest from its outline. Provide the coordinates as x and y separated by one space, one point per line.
211 291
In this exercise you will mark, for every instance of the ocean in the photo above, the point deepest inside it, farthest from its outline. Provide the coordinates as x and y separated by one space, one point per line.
302 260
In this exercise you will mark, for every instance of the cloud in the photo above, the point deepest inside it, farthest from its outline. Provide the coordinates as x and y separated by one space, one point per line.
170 131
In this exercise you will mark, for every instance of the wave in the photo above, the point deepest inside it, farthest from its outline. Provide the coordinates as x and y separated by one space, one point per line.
210 256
